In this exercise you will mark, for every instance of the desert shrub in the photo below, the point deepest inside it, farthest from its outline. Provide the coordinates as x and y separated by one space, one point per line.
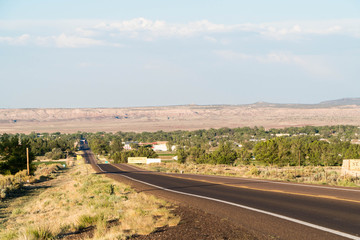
55 154
39 233
9 235
254 171
85 221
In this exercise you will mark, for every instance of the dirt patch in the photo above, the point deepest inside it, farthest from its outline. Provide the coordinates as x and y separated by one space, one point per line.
196 224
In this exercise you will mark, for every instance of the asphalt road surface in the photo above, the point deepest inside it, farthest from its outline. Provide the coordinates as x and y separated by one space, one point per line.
267 208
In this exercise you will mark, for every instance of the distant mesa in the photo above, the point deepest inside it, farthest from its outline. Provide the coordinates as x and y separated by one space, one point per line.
181 117
330 103
342 102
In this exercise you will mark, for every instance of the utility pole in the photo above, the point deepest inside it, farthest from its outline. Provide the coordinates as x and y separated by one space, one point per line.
27 161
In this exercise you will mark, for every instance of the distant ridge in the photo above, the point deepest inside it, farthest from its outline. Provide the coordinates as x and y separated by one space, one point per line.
326 104
190 117
341 102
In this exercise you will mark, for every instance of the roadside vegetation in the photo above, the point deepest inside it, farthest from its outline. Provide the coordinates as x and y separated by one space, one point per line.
81 202
12 185
53 146
325 146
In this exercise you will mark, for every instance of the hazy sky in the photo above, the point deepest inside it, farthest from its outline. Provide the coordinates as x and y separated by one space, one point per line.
114 53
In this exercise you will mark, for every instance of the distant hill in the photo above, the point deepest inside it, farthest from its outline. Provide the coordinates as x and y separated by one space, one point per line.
326 104
341 102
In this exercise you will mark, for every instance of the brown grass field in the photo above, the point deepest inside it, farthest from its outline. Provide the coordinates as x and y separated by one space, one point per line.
77 201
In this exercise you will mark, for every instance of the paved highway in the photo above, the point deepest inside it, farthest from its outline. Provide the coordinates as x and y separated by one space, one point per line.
273 209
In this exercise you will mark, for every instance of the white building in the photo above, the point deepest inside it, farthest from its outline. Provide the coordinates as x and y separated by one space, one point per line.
282 135
127 145
160 146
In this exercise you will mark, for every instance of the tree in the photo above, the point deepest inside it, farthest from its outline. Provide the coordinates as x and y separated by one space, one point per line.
13 154
244 155
99 145
267 152
145 152
116 146
55 154
121 157
225 154
195 153
181 155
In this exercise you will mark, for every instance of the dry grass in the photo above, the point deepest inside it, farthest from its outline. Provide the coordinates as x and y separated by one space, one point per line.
9 183
79 200
13 183
308 174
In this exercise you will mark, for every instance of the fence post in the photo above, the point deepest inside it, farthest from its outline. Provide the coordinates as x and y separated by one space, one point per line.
27 161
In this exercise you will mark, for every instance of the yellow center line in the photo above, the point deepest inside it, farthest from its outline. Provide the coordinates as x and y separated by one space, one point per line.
258 189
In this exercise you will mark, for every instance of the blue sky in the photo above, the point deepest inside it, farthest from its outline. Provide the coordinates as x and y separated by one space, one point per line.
151 53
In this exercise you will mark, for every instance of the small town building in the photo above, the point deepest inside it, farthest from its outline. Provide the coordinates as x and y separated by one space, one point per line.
160 146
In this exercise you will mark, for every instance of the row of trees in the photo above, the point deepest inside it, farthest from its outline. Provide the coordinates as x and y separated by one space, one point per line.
212 137
13 154
111 145
217 146
304 151
225 154
53 146
41 144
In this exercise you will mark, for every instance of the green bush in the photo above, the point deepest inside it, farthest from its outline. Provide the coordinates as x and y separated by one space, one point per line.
55 154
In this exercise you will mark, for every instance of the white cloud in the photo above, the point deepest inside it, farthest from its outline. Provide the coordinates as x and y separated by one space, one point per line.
291 30
65 41
71 41
82 33
86 32
137 24
61 41
143 28
21 40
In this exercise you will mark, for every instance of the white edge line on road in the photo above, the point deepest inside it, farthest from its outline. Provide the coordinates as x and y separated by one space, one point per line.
346 235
